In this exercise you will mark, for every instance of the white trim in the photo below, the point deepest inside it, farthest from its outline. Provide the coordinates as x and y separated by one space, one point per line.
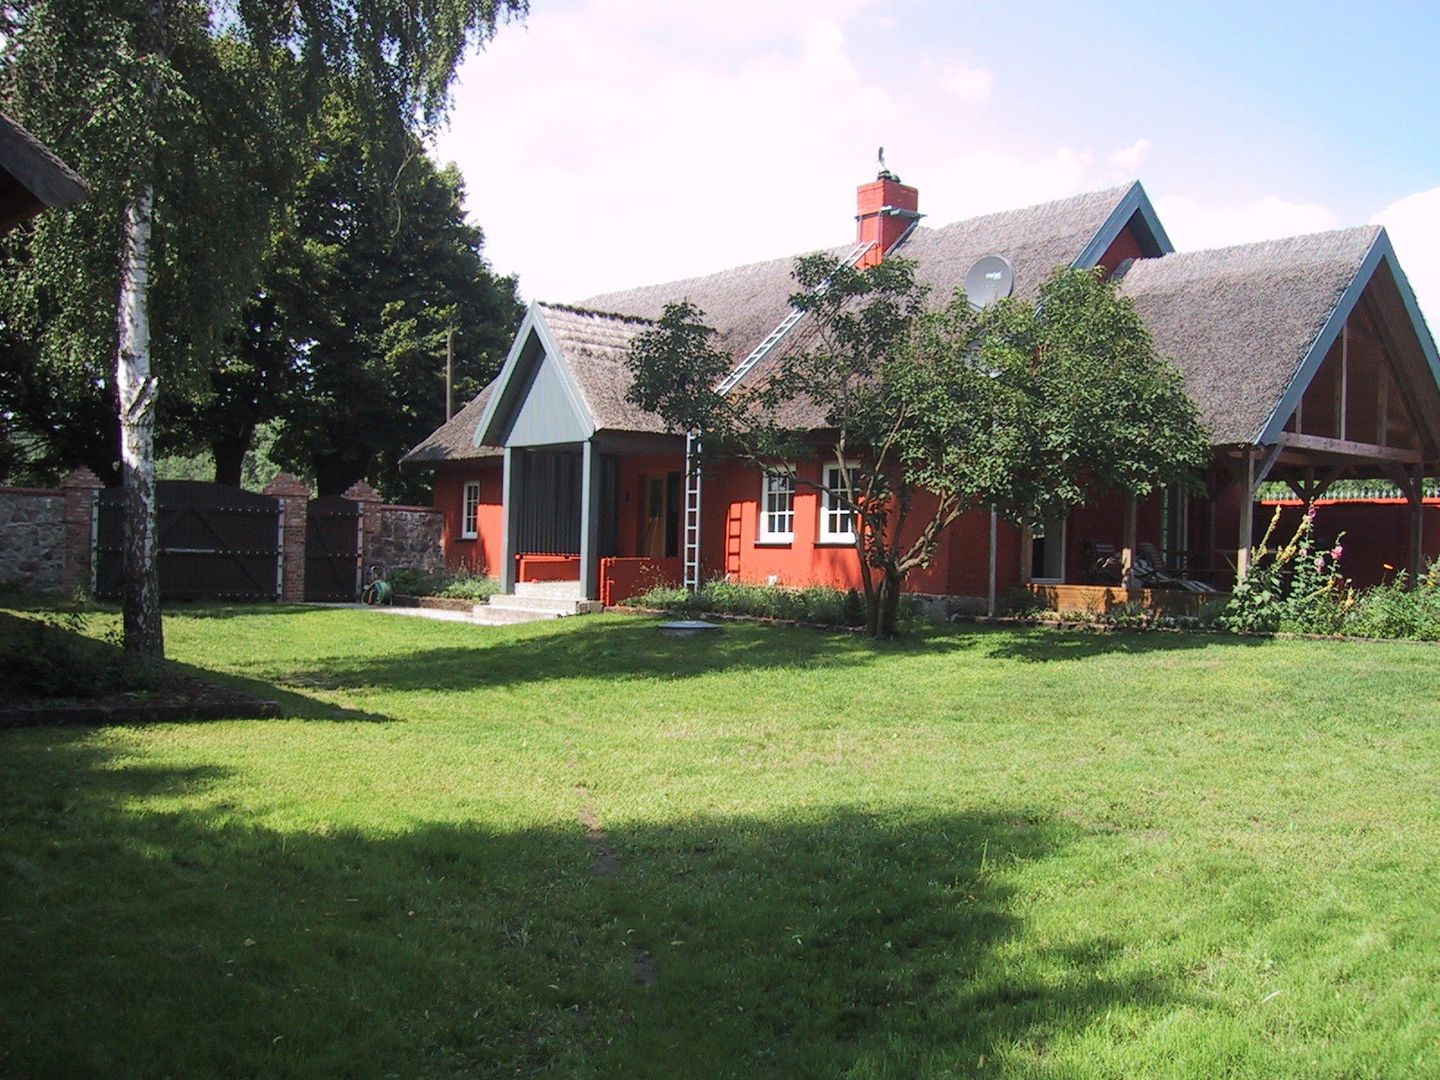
768 516
469 527
830 509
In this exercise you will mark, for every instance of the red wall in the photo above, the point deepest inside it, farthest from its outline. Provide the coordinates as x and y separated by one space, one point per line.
481 555
1376 532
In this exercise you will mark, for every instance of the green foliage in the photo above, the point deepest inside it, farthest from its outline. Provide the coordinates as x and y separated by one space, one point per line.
1395 610
376 266
57 655
818 604
456 585
1294 587
1029 407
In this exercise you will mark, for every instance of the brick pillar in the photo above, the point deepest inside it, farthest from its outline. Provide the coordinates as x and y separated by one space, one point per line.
371 507
293 496
80 489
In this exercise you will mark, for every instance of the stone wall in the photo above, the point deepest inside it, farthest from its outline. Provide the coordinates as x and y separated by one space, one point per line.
32 538
409 539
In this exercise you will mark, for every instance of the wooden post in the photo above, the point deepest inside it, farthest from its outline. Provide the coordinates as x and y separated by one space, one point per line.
1127 550
994 536
1342 389
449 373
511 482
590 521
1247 517
1417 525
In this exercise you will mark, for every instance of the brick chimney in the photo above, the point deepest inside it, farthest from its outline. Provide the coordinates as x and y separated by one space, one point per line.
884 210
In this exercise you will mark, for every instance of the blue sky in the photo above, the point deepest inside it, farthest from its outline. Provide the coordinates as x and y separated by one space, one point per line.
608 143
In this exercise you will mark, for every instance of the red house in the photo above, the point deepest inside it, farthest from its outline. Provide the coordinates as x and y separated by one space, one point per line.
1308 358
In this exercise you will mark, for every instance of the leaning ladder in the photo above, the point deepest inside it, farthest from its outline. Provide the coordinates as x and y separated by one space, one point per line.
693 486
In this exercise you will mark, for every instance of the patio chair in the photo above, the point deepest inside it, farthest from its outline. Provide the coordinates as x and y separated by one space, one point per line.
1102 564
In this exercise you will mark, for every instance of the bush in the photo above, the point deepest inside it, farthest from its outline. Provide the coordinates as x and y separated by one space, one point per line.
458 584
1392 610
52 657
1294 588
813 603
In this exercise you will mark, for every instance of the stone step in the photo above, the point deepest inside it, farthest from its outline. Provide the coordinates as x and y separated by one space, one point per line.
502 616
559 605
569 590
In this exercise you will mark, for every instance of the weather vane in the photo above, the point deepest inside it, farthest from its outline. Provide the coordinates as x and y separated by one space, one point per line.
885 174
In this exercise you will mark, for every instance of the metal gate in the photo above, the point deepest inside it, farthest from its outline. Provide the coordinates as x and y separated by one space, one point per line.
214 542
333 543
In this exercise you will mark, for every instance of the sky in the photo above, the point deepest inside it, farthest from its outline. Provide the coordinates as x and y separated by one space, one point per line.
613 143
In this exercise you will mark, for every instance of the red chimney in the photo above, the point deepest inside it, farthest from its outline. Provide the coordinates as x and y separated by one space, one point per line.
885 208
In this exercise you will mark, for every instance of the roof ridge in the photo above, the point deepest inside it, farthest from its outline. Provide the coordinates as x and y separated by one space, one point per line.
1372 231
576 309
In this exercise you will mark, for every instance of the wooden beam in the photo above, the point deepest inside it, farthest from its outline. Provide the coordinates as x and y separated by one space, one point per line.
1247 518
1342 386
1347 448
1416 495
1382 400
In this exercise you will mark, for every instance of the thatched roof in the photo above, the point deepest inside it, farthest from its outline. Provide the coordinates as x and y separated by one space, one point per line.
597 346
1239 321
455 439
31 177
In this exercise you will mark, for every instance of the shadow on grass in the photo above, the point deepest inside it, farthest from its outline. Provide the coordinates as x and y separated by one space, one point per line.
612 647
1042 644
152 927
47 662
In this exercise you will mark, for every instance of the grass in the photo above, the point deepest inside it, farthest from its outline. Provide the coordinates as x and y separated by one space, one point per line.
1017 853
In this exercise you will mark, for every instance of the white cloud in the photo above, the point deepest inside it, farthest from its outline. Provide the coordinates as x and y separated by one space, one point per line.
1194 224
967 83
1414 227
1129 158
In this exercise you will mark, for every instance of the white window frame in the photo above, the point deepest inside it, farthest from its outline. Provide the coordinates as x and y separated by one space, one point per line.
831 511
776 514
1037 574
469 510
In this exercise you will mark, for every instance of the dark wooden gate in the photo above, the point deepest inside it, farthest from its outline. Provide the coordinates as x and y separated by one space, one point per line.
332 549
214 542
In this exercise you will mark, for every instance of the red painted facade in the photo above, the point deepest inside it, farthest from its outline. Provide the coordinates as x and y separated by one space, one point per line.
480 555
1371 532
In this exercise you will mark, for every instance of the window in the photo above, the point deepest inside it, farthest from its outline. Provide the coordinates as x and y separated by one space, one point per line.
837 526
469 508
1047 550
777 508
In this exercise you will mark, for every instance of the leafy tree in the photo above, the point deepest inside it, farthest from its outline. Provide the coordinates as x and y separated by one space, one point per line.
179 112
381 267
1027 407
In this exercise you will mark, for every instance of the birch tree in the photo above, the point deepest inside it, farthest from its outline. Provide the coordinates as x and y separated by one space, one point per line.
154 101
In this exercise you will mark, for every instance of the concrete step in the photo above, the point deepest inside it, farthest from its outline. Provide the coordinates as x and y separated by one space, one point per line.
503 616
508 608
567 590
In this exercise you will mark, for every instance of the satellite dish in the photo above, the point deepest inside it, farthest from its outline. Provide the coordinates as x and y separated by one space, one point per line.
991 278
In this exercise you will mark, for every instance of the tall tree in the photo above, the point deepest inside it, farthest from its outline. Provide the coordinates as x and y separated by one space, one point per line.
1027 407
158 102
381 269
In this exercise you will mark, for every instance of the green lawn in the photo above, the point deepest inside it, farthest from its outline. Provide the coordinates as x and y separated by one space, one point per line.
985 852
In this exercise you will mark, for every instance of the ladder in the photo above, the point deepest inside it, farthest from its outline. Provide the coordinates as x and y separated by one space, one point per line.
693 487
692 512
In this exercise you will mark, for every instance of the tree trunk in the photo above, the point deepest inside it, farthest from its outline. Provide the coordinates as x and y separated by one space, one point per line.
229 450
136 386
883 607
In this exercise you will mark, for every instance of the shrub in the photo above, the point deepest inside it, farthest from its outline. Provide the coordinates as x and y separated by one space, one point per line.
813 603
1393 610
458 584
52 656
1294 587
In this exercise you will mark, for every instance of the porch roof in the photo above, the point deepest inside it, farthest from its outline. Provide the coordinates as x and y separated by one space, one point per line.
31 177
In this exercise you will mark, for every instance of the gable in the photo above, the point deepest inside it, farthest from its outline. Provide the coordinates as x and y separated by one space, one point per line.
536 401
